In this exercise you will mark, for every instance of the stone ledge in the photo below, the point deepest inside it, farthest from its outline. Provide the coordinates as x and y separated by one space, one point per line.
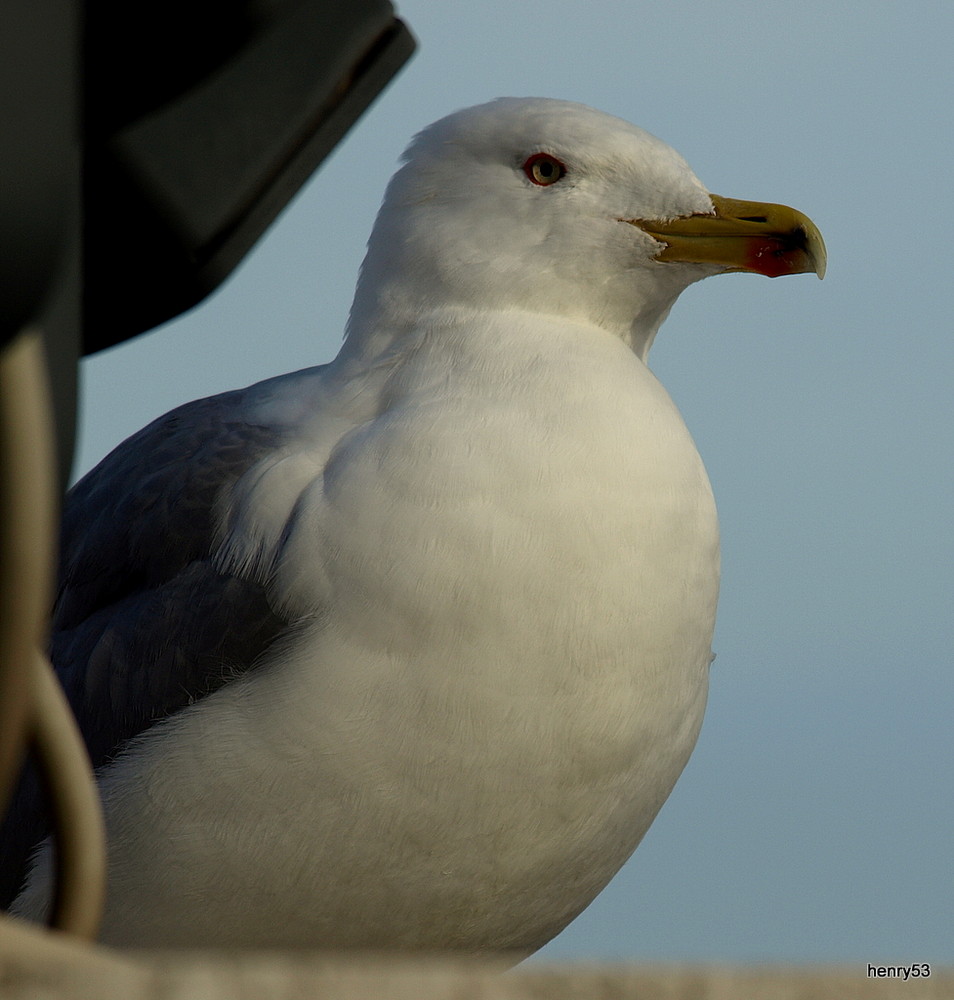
36 965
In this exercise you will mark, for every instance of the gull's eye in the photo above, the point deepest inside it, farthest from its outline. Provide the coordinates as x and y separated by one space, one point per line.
544 169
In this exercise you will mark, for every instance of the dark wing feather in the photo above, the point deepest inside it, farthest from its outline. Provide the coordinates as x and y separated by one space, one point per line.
144 622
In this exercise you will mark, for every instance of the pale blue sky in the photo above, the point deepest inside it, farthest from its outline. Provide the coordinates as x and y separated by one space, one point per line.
814 821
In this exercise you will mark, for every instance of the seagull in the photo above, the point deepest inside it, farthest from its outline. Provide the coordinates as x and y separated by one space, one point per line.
406 651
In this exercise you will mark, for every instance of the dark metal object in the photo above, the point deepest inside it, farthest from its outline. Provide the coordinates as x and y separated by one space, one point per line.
235 106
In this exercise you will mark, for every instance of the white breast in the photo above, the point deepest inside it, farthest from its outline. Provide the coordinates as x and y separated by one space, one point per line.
512 568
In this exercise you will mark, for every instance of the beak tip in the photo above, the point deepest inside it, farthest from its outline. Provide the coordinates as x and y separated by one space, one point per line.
815 246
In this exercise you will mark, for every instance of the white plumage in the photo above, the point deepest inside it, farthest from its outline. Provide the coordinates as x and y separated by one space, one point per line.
485 550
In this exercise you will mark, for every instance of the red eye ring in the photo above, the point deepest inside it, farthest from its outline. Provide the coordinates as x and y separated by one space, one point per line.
544 169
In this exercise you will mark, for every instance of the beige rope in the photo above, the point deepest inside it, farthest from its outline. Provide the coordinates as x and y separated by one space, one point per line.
31 702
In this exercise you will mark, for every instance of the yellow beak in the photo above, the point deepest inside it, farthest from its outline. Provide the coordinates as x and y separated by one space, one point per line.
743 236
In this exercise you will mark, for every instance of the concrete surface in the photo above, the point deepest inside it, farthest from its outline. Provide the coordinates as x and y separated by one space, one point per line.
36 965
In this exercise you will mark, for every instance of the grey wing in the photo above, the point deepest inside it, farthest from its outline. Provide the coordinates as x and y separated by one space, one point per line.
144 622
